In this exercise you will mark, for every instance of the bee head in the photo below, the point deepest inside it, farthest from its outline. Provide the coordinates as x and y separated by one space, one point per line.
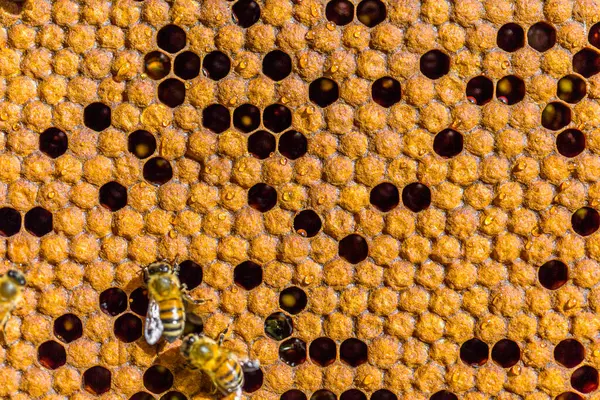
154 269
17 277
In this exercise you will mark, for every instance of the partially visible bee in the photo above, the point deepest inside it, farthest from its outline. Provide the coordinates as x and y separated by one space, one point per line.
166 308
221 365
11 292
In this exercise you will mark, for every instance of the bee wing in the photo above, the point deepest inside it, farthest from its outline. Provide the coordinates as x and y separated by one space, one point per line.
154 327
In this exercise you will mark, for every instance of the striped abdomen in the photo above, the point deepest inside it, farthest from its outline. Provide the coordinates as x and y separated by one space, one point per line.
228 375
172 316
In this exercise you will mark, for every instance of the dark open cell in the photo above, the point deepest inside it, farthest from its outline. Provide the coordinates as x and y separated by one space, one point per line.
292 300
568 396
553 274
158 379
585 221
323 351
510 90
480 90
216 118
261 144
371 12
293 144
511 37
262 197
38 221
113 301
190 274
68 328
141 144
570 142
193 324
53 142
173 395
385 196
293 394
277 65
292 352
443 395
253 380
96 380
416 197
171 38
138 301
556 116
10 221
506 353
216 65
354 352
571 88
340 12
97 116
248 275
434 64
586 62
171 92
128 328
353 394
448 143
246 13
307 223
278 326
158 170
541 36
323 92
474 352
277 118
353 248
157 65
383 394
585 379
594 35
142 396
323 394
569 352
52 355
246 118
113 196
386 91
187 65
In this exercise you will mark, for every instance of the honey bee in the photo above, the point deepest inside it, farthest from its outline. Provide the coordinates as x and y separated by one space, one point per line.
166 308
221 365
11 292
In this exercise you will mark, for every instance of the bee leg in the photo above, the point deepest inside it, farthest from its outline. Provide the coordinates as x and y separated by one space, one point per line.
222 335
186 295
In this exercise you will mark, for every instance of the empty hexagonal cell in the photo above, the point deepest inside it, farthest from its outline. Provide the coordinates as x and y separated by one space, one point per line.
293 394
569 352
443 395
568 396
354 352
510 90
371 12
96 380
353 248
158 379
307 223
113 196
340 12
38 221
216 65
157 65
474 352
171 38
570 142
190 274
323 92
261 144
277 65
278 326
385 196
128 328
585 379
248 275
262 197
556 116
246 13
571 89
277 118
142 396
138 301
293 145
158 171
416 197
586 62
187 65
448 143
292 351
68 328
216 118
10 221
383 394
113 301
585 221
253 380
386 91
171 92
541 36
594 35
52 355
506 353
323 394
353 394
480 90
434 64
141 144
292 300
553 274
323 351
511 37
53 142
246 118
97 116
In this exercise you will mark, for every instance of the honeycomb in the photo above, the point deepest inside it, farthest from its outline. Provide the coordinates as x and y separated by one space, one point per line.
383 199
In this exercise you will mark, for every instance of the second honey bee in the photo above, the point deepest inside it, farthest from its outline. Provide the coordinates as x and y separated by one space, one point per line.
11 292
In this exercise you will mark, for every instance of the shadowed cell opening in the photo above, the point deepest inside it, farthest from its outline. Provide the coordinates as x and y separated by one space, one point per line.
261 144
68 328
585 379
158 379
443 395
216 118
353 248
541 36
383 394
141 144
171 92
354 352
173 395
292 352
340 12
53 142
52 355
277 65
480 90
570 142
474 352
353 394
190 274
138 301
386 91
253 380
96 380
371 12
246 13
248 275
323 92
506 353
416 197
113 196
38 221
511 37
157 170
585 221
277 118
10 221
385 196
171 38
216 65
571 89
510 90
293 300
586 62
448 143
142 396
556 116
278 326
307 223
293 145
293 394
569 353
262 197
157 65
323 351
187 65
97 116
246 118
553 274
113 301
128 328
434 64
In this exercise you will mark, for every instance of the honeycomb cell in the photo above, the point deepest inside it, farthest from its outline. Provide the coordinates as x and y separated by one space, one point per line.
506 353
293 394
157 65
569 352
585 379
474 352
54 142
570 142
571 89
586 62
262 197
353 394
510 90
434 64
187 65
416 197
158 171
480 90
553 274
253 380
307 223
594 35
293 300
246 118
556 116
171 38
248 275
68 328
385 196
443 395
173 395
113 196
585 221
448 143
354 352
277 118
340 12
142 396
246 13
10 221
216 118
52 355
511 37
292 352
541 36
353 248
113 301
128 328
138 301
323 351
261 144
383 394
96 380
141 144
190 274
278 326
371 12
171 92
97 116
38 221
568 396
293 145
323 92
277 65
386 91
158 379
216 65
